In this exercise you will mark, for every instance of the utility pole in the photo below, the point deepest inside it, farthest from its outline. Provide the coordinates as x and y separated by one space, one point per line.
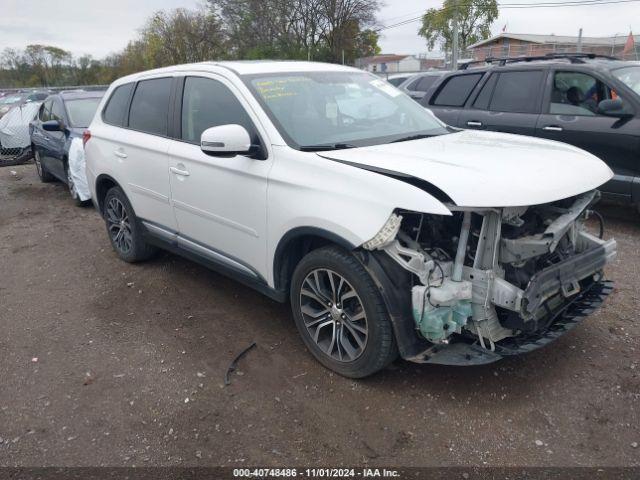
454 54
579 48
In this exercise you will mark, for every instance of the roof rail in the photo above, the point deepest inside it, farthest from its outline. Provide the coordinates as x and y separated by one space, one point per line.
572 57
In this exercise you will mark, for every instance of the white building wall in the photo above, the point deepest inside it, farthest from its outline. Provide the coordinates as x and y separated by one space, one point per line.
409 64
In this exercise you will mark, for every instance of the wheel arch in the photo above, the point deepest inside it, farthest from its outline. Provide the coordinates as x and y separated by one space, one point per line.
104 182
294 245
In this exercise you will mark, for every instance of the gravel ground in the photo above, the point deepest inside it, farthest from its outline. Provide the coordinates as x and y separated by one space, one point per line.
106 363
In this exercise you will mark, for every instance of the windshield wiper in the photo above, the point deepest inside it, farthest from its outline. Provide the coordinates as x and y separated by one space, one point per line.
334 146
414 137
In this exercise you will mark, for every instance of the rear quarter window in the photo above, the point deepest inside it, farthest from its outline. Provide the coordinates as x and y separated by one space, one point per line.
116 110
456 90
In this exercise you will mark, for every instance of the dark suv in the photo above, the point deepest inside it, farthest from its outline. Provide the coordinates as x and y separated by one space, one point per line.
586 100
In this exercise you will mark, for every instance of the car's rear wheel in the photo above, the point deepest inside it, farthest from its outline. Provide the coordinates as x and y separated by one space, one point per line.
124 229
45 176
340 314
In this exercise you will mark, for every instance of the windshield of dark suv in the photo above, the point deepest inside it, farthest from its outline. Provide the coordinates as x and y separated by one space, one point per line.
326 110
629 76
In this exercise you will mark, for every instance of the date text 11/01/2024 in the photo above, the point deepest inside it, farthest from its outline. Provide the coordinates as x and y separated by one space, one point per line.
316 473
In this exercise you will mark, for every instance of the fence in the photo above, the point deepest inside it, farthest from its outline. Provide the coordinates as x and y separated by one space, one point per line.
88 88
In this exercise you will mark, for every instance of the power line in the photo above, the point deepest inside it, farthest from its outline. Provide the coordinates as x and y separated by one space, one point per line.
576 3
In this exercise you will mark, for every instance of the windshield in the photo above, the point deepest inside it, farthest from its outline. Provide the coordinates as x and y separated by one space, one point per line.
81 111
340 109
629 76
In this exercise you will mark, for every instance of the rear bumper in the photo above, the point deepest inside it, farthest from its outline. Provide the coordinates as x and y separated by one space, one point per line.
580 306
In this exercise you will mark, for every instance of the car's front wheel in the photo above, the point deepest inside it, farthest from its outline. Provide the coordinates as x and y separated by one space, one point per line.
340 313
124 229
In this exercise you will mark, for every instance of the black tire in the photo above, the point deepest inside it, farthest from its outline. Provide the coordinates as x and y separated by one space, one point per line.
118 213
43 174
379 349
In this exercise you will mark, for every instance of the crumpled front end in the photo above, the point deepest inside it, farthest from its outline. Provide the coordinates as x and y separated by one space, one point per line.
492 282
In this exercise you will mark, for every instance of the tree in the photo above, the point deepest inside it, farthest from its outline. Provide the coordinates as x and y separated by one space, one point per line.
474 22
47 62
367 43
182 36
343 20
295 29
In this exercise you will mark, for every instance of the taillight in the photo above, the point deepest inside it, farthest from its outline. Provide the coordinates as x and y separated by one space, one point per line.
86 135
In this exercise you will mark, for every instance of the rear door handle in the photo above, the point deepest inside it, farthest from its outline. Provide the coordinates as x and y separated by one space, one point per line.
177 171
552 128
474 123
120 154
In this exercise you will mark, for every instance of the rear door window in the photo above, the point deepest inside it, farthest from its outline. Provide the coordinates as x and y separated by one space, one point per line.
115 112
517 92
149 111
456 90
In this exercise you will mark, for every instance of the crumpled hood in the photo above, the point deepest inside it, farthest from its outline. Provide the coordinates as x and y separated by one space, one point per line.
487 169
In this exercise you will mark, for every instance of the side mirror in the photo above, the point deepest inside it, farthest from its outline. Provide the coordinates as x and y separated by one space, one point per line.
612 108
416 95
52 126
225 140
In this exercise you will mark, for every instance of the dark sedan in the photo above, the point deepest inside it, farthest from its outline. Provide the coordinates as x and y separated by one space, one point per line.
59 126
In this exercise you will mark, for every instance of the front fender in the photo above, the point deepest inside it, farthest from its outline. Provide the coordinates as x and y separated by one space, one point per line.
306 190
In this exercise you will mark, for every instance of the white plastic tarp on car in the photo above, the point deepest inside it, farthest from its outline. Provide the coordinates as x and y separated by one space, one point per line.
77 169
14 126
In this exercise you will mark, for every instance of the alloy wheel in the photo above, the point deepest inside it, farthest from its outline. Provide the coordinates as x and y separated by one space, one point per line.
118 225
333 315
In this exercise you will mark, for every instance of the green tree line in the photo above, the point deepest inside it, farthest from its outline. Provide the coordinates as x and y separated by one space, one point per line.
321 30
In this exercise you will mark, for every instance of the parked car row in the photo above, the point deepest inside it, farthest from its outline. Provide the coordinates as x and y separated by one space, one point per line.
388 231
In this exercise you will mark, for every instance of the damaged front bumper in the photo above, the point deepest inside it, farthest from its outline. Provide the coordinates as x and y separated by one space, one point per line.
476 308
462 353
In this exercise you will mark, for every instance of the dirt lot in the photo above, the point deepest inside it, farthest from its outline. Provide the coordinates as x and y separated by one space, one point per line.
105 363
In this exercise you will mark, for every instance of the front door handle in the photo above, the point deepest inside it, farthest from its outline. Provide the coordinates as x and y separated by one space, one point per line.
474 123
177 171
120 154
552 128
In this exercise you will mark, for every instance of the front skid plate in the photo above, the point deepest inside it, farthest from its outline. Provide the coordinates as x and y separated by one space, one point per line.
472 354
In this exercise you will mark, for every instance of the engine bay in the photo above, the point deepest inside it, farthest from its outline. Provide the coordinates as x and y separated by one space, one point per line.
483 276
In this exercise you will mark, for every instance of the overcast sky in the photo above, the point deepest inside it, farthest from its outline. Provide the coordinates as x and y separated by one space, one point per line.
99 27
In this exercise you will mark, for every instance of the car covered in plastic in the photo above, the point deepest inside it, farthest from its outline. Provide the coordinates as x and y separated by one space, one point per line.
15 142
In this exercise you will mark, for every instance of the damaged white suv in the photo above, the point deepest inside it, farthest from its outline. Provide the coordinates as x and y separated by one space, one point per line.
387 231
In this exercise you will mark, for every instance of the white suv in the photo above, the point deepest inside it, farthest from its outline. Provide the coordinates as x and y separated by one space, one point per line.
322 185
